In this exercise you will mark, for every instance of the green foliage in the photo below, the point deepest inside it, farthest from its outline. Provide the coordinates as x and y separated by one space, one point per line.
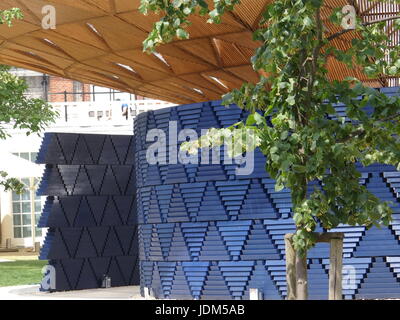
309 141
174 23
7 16
32 115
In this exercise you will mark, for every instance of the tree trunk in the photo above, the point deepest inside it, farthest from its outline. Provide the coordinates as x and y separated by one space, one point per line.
290 268
301 275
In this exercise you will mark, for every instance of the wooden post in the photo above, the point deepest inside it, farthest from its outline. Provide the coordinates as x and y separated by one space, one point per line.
335 269
296 267
301 277
290 268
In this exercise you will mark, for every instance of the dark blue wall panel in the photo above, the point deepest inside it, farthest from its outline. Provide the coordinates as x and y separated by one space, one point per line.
206 233
90 211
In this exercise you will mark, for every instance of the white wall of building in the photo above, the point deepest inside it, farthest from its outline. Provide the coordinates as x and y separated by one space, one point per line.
17 168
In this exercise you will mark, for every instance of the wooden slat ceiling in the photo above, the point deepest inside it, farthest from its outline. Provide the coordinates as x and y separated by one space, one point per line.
100 42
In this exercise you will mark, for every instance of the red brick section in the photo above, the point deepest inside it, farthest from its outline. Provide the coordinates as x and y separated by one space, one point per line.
59 85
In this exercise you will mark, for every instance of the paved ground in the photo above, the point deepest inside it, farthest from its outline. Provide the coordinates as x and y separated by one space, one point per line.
32 293
19 256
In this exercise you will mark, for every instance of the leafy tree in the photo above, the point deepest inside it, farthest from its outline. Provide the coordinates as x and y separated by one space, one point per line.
32 115
293 119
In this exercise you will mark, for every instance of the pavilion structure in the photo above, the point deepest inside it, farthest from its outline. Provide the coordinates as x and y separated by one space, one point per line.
100 42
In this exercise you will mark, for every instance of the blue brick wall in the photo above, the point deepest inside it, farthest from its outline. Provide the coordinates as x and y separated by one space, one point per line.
206 233
90 209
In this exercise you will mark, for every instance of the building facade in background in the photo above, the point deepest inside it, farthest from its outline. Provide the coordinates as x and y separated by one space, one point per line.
82 108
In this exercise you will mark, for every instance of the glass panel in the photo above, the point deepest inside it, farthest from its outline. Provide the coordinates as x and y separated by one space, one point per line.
33 156
26 195
16 207
38 232
38 197
27 232
26 182
37 218
26 207
26 219
15 196
17 232
17 219
38 206
24 155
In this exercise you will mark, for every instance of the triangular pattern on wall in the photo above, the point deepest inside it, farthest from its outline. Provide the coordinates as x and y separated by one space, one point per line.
115 273
165 233
192 195
167 270
57 216
71 237
86 248
259 244
277 230
179 250
69 174
72 268
109 184
257 203
232 195
82 184
215 287
113 245
84 217
97 205
70 206
122 176
164 194
260 279
177 211
81 154
121 145
96 175
237 276
378 242
95 144
156 285
211 204
111 215
81 221
108 153
214 247
87 278
195 273
380 282
281 200
179 284
234 234
67 143
99 236
126 209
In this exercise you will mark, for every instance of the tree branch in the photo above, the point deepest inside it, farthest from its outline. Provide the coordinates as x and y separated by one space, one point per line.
394 116
357 133
365 24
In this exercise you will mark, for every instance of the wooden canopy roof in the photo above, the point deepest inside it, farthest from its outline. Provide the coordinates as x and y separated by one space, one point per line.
100 42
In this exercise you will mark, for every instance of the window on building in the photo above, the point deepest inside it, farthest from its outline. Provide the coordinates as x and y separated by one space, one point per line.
78 89
25 206
30 156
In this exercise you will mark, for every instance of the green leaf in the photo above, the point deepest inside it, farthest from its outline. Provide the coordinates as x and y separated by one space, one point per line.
182 34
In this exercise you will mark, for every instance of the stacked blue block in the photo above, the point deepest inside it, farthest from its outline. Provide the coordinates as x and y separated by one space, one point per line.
90 210
207 233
